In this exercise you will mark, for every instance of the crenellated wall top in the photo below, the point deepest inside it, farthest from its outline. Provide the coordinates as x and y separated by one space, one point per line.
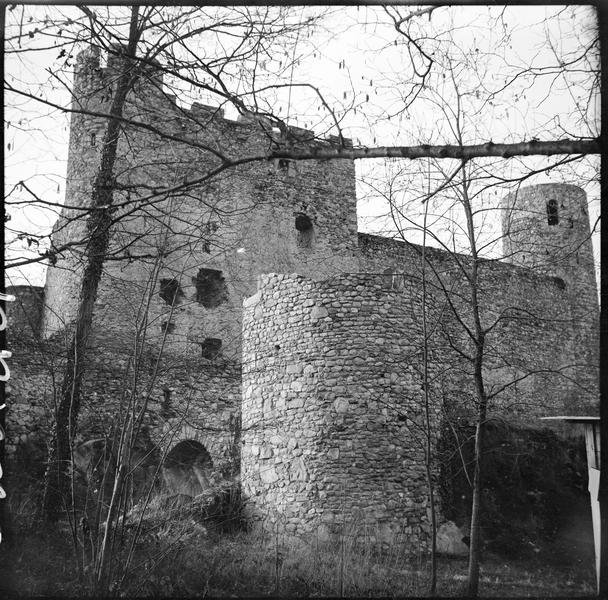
92 76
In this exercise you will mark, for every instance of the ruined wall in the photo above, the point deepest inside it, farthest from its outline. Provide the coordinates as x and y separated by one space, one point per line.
187 399
333 407
207 242
532 348
29 390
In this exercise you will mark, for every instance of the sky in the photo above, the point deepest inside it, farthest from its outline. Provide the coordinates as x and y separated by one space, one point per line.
365 72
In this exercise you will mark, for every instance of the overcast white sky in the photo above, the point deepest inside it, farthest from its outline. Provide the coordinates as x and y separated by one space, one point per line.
353 59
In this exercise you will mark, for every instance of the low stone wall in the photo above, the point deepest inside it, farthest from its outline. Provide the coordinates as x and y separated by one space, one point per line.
333 409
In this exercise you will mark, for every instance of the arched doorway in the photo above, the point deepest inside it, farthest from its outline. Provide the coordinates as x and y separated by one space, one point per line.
187 468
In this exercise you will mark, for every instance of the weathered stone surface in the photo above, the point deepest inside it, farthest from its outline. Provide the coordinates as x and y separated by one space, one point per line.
268 474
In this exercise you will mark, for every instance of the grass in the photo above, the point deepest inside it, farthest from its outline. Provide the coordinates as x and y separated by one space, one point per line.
183 553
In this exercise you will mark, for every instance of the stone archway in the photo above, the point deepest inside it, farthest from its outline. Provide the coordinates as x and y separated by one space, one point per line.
186 469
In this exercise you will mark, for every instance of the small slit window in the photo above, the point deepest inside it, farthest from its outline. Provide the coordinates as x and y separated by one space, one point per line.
552 214
93 139
208 230
305 230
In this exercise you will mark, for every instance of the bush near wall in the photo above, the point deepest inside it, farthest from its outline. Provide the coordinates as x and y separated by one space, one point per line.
534 483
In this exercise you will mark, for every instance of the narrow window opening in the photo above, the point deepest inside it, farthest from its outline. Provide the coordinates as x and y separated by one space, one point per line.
387 280
211 348
287 166
170 291
93 139
166 403
211 290
305 230
552 215
208 230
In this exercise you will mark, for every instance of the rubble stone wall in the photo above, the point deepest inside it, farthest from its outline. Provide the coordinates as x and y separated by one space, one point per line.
194 399
333 408
534 324
257 217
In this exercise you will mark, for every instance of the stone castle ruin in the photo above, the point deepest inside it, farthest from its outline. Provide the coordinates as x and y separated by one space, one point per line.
273 340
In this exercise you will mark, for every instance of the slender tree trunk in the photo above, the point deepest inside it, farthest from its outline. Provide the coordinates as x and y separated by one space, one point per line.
475 543
57 477
428 451
482 400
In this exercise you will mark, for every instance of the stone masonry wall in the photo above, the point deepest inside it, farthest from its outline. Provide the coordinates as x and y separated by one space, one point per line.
546 227
333 409
333 401
238 224
531 351
194 399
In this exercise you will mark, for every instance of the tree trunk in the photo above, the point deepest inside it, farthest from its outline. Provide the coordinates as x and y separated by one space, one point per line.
428 450
482 400
475 534
57 476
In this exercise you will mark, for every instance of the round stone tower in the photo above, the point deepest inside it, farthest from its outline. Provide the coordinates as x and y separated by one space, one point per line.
332 409
546 229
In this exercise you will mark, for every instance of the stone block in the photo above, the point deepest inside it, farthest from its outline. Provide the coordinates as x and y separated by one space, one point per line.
341 405
298 471
318 312
450 540
333 453
268 474
294 403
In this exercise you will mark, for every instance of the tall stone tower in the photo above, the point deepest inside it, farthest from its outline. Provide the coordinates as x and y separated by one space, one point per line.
186 255
546 229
